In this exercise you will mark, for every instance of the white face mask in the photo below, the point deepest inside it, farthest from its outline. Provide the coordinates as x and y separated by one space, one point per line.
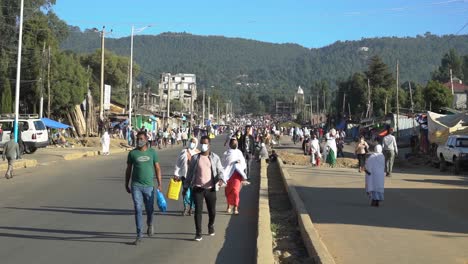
204 147
192 145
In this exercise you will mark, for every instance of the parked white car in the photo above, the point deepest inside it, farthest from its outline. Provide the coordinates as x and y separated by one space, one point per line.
454 152
33 132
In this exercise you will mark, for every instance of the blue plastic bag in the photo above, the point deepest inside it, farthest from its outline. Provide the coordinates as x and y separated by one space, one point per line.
188 201
161 201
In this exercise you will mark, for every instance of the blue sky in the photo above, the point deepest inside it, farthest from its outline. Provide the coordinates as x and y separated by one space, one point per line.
310 23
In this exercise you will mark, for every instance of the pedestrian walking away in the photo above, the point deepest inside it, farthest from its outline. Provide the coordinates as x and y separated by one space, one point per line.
315 155
247 146
390 151
204 176
105 141
180 173
330 150
234 175
11 152
375 176
142 166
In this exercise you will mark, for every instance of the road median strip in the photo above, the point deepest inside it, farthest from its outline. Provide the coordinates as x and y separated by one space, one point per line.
264 236
19 164
312 240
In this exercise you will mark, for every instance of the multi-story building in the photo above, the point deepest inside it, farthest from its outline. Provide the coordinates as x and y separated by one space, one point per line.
181 86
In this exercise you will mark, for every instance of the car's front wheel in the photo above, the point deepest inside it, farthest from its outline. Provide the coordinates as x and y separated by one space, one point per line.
443 164
30 149
456 166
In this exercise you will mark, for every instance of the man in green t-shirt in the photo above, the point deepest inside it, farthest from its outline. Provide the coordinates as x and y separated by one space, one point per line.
142 165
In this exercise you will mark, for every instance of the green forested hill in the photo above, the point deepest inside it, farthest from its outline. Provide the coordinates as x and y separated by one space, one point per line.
272 68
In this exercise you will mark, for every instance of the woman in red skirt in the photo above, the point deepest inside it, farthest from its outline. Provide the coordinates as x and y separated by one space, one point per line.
234 174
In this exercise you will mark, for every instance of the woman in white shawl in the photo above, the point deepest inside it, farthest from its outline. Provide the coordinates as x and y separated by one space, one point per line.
315 151
375 176
330 150
180 173
105 142
234 175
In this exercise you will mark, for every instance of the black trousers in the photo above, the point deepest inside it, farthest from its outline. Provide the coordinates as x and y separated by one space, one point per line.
248 159
210 198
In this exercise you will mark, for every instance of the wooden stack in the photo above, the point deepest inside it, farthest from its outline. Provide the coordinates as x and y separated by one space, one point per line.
84 126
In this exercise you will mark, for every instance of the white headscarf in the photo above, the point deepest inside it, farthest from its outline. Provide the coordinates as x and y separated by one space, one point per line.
194 150
378 149
375 164
233 160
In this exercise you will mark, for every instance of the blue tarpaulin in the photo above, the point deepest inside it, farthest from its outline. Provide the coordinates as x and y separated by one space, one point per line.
341 125
53 124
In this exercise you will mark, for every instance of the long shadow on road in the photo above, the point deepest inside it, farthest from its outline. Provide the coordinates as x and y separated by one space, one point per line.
439 210
240 244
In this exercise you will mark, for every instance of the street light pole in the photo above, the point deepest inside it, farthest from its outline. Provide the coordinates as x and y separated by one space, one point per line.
191 111
209 109
169 100
101 107
18 71
203 120
130 83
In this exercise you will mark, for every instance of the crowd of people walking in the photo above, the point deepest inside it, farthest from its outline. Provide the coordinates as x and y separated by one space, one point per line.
202 172
327 146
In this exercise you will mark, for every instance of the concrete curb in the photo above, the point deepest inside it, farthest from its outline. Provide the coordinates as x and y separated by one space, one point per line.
264 236
91 153
19 164
79 155
312 240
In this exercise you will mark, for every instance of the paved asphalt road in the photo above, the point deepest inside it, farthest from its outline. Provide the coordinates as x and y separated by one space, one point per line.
424 218
79 212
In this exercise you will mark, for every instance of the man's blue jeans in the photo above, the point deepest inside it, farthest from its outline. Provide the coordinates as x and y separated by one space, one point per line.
143 196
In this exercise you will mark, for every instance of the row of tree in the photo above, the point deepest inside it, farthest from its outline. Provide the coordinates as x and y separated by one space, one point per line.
45 64
244 69
380 81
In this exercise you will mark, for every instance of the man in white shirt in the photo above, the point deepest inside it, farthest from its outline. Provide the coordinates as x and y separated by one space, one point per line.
390 150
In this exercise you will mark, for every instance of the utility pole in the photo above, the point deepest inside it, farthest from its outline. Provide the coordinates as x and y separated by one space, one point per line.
169 100
385 108
451 81
88 108
318 103
101 104
344 103
41 102
397 93
368 112
217 112
191 112
324 103
203 109
227 111
411 97
127 106
209 109
349 111
311 110
130 81
49 99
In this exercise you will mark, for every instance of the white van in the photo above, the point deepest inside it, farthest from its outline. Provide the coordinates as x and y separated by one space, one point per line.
33 132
